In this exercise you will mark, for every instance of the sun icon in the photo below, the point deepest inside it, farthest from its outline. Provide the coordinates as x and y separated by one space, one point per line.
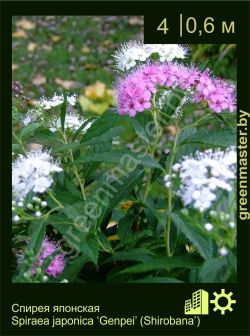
227 301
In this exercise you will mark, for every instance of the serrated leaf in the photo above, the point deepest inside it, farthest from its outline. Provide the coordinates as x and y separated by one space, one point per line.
73 267
37 233
107 195
71 188
104 242
27 130
186 134
203 245
185 150
224 137
90 247
137 254
63 148
124 227
102 125
155 280
213 270
162 263
139 129
118 157
83 242
64 197
125 186
90 167
45 137
104 137
135 238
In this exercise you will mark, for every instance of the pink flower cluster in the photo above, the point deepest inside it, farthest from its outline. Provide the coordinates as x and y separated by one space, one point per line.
56 266
135 92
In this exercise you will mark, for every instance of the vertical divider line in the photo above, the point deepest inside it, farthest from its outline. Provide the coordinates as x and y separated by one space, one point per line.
181 19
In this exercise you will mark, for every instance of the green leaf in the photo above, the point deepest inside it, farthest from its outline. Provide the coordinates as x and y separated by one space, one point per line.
104 137
78 132
162 263
64 197
186 134
151 217
82 241
102 125
140 130
222 117
124 187
214 270
90 247
63 111
71 211
15 147
203 245
59 219
27 130
185 150
107 195
104 242
48 260
120 157
90 167
232 261
135 238
157 172
224 137
71 188
46 137
73 267
63 148
37 233
155 280
124 227
137 254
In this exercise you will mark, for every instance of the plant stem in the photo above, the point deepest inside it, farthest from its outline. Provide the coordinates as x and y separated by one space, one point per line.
20 142
170 193
166 115
197 122
152 152
56 200
81 184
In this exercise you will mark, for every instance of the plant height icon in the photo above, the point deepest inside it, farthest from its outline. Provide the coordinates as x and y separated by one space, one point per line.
198 305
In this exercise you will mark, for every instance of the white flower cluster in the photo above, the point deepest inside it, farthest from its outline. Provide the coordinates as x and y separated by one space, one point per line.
33 172
32 116
47 103
202 175
72 123
132 52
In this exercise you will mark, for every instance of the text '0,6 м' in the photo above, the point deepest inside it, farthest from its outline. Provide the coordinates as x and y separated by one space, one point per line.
191 25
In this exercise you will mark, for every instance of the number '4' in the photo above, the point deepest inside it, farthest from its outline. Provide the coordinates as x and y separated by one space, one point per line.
163 26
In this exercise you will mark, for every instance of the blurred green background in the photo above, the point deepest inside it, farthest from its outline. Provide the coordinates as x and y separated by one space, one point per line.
72 52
